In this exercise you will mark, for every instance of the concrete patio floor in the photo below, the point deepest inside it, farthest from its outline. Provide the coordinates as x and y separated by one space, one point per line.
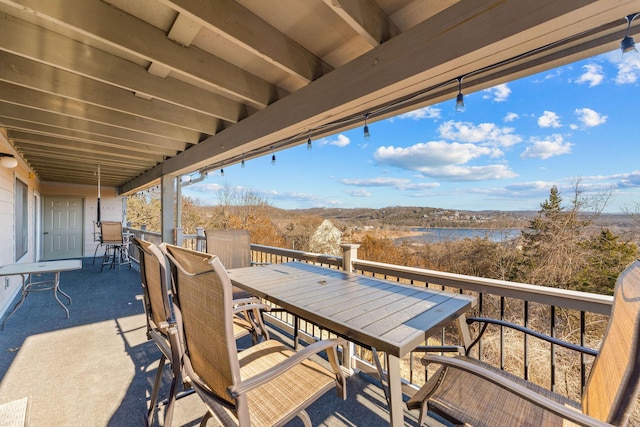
97 367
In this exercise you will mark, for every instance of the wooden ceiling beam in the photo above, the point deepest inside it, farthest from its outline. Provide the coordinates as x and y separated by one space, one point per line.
254 35
366 18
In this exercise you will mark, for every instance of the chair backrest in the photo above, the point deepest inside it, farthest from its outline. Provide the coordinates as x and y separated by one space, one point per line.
203 309
111 232
153 275
233 247
613 384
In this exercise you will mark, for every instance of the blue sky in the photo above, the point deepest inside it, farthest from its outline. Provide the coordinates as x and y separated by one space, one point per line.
505 151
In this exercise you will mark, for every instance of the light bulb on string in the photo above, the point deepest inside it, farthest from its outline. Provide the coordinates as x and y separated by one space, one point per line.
309 146
367 135
273 157
221 172
628 44
460 97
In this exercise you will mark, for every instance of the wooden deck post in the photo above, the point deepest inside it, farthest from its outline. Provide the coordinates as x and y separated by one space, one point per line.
349 254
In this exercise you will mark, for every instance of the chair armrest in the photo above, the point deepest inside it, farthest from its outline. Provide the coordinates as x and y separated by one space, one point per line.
297 358
242 302
518 390
488 321
251 307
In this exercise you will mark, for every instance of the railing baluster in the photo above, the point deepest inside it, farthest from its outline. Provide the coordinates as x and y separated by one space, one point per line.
525 341
553 352
481 314
583 362
501 334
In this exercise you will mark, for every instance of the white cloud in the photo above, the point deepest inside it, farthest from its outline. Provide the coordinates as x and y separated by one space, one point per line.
202 187
530 186
376 182
358 193
593 75
399 183
469 173
549 119
499 93
628 180
486 134
430 154
589 117
511 117
422 113
442 160
421 186
339 141
628 66
546 148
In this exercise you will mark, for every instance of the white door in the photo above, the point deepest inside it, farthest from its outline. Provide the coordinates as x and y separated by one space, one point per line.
62 228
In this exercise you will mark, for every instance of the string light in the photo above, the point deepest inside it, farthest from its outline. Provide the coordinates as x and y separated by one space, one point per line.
221 172
460 97
309 141
367 135
273 157
242 163
628 44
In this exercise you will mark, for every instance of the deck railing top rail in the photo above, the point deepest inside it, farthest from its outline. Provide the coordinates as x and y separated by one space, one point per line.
583 301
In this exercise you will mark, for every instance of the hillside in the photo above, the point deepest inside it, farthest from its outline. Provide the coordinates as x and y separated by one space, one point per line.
396 221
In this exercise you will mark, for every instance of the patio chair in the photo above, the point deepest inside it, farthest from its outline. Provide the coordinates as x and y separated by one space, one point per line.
265 385
233 248
160 324
161 327
117 249
466 390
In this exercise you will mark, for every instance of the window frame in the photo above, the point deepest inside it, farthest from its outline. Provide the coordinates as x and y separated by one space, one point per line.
21 222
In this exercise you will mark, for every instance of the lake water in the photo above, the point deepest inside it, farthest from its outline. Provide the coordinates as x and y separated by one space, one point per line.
435 235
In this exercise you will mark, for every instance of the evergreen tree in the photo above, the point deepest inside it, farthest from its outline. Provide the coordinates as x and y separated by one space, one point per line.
608 256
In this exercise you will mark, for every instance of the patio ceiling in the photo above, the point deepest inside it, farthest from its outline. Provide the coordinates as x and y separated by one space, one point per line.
147 88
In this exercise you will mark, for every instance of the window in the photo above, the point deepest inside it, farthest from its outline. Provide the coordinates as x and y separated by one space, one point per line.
22 219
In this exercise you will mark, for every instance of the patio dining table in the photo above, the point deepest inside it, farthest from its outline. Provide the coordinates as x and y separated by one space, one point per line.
30 269
385 316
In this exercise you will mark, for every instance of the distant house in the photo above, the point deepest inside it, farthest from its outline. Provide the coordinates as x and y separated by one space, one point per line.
326 239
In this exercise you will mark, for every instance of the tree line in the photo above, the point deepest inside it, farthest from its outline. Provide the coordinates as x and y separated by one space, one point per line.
560 247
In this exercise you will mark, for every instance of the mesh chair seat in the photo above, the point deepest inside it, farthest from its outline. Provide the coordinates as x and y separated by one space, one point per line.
277 401
493 405
117 249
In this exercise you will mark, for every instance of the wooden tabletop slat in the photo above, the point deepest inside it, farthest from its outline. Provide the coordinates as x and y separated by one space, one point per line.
396 311
414 329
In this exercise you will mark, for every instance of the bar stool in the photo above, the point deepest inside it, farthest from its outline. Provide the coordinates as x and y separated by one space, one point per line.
117 248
